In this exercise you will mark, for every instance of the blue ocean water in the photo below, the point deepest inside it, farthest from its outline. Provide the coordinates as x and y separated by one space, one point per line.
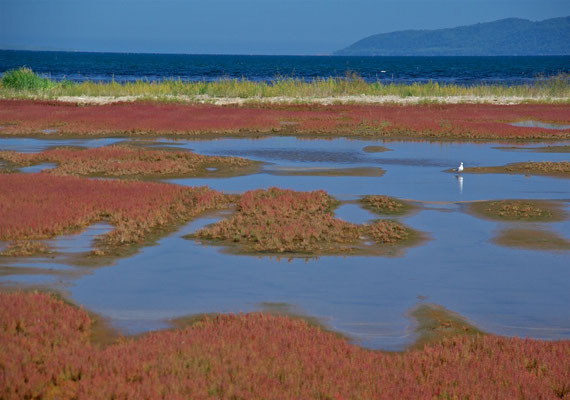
121 67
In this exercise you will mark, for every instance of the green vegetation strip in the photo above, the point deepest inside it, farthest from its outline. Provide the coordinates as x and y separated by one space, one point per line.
23 82
386 205
376 149
542 149
435 323
532 239
519 210
560 169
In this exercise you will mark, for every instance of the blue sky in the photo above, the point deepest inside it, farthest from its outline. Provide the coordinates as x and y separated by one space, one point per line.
240 26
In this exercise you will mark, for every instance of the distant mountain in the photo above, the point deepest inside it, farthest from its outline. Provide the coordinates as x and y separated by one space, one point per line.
511 36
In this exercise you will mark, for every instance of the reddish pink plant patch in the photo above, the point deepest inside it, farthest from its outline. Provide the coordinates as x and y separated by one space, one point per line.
278 220
31 116
36 206
121 161
46 354
285 221
472 121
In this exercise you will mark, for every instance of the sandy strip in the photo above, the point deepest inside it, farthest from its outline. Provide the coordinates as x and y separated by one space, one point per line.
205 99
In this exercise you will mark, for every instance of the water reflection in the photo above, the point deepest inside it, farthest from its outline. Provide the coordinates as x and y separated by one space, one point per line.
460 183
540 124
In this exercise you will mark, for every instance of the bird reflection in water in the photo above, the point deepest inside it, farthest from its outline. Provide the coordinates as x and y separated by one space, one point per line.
460 181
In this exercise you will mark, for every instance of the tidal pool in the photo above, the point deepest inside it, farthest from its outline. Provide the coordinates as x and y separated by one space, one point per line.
32 145
63 248
355 214
502 290
37 168
79 242
540 124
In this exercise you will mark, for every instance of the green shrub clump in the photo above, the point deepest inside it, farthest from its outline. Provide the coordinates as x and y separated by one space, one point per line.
25 79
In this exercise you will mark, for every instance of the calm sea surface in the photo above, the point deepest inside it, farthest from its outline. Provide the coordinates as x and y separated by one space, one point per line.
129 67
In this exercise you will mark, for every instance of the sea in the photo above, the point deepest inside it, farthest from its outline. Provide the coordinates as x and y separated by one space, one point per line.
127 67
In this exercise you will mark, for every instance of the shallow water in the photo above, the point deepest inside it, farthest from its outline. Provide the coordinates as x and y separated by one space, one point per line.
502 290
37 168
61 247
414 170
29 279
31 145
79 242
355 214
539 124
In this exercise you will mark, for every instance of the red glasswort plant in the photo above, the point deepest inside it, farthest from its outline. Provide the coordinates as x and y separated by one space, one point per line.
38 206
277 220
285 221
121 161
382 204
548 168
46 354
467 121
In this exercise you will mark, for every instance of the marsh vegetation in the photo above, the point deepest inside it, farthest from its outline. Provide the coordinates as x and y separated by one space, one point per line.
386 205
148 119
23 82
31 209
285 221
375 149
519 210
364 297
548 168
258 356
533 239
130 162
541 149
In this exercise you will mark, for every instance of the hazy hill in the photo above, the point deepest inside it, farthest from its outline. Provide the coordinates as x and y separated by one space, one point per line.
512 36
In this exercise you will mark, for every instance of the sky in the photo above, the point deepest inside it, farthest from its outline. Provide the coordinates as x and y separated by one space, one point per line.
297 27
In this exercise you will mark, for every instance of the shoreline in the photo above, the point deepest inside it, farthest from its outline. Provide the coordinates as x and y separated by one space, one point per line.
292 100
428 323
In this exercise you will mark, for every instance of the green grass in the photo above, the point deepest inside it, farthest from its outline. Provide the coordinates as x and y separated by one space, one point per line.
23 82
24 79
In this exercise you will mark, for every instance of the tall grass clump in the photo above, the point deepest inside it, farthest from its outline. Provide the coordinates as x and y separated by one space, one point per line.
25 79
555 85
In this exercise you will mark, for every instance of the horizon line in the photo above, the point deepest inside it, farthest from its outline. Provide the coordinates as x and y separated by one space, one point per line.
271 55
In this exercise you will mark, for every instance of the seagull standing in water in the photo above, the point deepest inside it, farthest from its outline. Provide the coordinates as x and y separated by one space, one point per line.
460 168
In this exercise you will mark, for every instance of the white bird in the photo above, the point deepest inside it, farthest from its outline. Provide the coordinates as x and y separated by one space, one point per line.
460 168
